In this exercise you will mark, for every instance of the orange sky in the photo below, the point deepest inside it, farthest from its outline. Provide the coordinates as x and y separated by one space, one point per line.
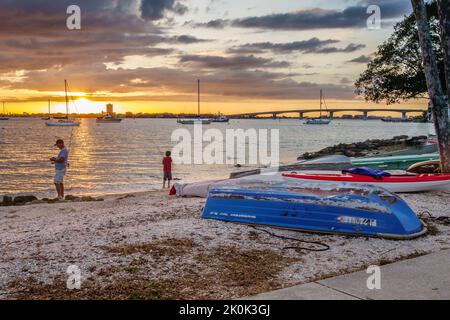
146 56
85 106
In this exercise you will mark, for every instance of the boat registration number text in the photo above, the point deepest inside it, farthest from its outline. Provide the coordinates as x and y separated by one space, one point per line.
359 221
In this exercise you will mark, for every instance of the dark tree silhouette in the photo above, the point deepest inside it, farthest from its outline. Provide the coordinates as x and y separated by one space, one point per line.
396 71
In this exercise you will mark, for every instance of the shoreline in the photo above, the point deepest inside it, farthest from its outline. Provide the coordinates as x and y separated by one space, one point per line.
147 245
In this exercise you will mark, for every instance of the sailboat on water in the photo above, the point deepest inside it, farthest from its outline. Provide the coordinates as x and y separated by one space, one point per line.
65 122
4 116
197 120
319 120
49 113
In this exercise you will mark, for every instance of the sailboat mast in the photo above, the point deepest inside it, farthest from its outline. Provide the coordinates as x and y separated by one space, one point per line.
320 103
198 94
67 99
49 107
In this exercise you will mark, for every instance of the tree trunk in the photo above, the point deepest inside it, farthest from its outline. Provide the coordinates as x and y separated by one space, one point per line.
435 91
444 20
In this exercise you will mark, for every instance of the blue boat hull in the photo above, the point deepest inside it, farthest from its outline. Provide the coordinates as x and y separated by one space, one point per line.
377 214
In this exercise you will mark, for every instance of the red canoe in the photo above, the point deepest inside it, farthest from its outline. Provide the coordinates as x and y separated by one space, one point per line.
394 183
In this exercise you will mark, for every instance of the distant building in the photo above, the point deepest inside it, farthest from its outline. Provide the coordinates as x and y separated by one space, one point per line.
109 108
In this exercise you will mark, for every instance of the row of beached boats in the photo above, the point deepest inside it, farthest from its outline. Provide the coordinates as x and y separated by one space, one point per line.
314 196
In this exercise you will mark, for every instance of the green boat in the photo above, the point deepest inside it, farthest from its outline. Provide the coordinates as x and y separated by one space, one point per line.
393 162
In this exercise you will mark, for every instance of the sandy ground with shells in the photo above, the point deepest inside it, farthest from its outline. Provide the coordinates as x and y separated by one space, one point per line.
152 246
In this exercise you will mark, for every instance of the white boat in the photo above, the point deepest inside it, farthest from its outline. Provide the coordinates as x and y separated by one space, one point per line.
63 122
108 119
193 121
319 120
199 119
221 118
3 116
49 113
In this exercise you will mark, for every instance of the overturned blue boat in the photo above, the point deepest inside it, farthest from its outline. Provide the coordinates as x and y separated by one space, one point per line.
336 208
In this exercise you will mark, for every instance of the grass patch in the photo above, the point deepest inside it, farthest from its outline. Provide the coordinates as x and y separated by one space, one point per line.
123 288
248 271
167 247
220 273
414 254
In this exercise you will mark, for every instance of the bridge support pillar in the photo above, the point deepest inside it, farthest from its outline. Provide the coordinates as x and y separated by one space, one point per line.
300 115
331 114
404 116
274 115
365 115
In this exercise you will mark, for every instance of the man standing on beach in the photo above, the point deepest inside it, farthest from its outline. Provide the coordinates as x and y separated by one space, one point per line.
60 167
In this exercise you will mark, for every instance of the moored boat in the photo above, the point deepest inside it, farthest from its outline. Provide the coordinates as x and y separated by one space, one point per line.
4 117
108 119
319 120
394 183
221 119
198 119
64 121
337 208
193 121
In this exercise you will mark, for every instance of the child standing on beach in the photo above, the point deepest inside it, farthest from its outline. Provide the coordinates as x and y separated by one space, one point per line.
167 167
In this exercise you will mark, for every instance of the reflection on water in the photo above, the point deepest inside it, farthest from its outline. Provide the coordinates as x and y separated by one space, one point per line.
125 157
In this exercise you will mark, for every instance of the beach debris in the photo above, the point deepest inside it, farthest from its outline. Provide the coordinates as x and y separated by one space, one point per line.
7 200
17 201
82 198
24 199
71 198
31 199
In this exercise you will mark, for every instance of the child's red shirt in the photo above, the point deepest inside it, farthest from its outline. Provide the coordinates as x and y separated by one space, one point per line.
167 163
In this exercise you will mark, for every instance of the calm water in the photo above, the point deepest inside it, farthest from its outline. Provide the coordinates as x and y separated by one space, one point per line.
125 157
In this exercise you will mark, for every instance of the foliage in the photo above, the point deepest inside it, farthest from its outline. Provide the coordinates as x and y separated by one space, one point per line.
396 72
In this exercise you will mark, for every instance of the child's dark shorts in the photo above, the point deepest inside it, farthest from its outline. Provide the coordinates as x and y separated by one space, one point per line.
167 176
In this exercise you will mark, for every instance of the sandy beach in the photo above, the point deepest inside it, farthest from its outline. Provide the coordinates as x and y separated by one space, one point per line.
152 246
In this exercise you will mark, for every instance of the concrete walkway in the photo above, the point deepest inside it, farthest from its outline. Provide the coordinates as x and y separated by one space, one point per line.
425 277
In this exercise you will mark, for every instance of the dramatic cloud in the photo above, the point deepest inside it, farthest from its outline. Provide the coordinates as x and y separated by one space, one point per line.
156 9
234 62
213 24
351 17
361 59
187 39
352 47
110 31
313 45
137 84
127 50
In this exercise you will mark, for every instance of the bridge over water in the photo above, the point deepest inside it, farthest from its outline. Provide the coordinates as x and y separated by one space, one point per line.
329 112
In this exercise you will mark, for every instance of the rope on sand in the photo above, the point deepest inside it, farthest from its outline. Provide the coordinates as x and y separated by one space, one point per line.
324 246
